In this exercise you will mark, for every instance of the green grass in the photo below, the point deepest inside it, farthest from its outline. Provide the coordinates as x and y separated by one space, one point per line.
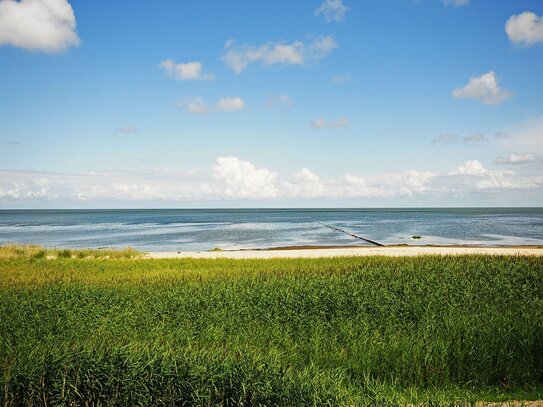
343 331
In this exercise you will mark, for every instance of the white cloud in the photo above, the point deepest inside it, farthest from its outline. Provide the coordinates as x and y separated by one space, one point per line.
514 158
332 10
471 167
525 28
234 179
143 185
241 179
413 181
127 130
320 123
474 176
238 57
35 186
38 25
230 104
407 183
190 71
496 181
305 184
484 88
320 47
196 106
353 186
305 175
456 3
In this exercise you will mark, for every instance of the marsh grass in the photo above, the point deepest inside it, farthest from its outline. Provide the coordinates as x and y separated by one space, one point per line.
342 331
12 252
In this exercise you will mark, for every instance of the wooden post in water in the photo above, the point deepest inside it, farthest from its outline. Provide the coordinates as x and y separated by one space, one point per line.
351 234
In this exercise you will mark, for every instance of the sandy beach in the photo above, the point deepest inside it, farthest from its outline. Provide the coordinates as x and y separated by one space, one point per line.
316 252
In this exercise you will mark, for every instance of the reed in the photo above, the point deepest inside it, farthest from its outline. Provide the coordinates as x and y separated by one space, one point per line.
10 252
342 331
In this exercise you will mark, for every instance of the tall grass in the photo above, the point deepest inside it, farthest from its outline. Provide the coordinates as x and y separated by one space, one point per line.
11 252
342 331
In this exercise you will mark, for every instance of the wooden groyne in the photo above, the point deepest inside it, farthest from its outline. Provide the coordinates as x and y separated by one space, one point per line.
351 234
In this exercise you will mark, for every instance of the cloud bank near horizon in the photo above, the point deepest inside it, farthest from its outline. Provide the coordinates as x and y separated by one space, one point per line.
232 178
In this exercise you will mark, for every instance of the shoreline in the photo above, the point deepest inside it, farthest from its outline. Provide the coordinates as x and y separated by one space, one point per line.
343 251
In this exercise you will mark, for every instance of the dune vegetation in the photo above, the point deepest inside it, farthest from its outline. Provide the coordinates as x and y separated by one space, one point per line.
11 252
84 330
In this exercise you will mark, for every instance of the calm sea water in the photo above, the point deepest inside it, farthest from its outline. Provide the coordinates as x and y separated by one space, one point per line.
195 229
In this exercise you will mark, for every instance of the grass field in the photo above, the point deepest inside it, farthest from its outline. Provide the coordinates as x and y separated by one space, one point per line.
343 331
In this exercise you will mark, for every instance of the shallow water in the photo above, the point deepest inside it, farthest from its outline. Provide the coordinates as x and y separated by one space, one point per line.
204 229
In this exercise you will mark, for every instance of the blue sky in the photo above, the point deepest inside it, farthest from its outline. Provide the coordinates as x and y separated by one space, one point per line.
305 103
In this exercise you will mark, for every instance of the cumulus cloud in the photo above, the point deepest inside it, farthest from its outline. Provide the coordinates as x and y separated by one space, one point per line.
320 123
239 57
127 130
525 28
484 88
517 158
332 10
456 3
38 25
305 184
241 179
306 176
353 186
196 105
476 177
230 104
404 184
416 181
190 71
471 167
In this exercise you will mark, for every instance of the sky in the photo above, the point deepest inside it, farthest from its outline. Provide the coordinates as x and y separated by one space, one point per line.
275 103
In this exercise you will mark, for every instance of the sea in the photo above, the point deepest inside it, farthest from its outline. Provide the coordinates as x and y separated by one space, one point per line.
231 229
